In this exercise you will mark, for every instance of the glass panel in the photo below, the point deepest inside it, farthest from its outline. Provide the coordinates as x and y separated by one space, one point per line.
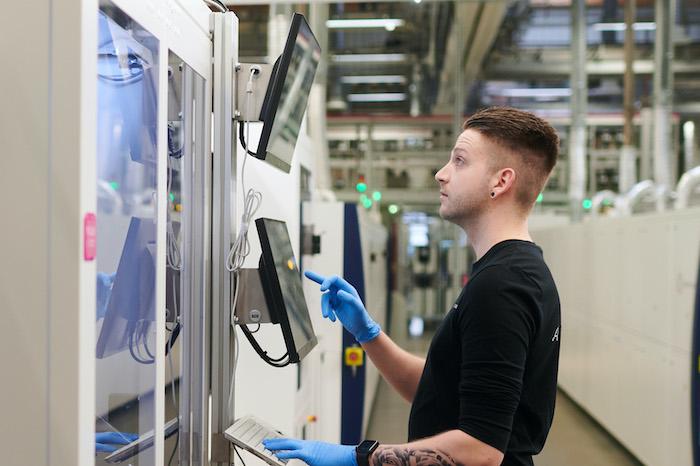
185 261
127 163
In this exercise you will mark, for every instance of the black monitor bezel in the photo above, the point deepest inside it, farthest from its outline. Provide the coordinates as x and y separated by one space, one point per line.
273 294
274 93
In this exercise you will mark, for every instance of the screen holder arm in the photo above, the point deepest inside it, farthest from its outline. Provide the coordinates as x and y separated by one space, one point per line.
251 307
259 88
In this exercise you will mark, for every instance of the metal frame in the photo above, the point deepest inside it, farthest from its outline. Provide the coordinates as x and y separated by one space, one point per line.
259 90
225 30
251 307
189 39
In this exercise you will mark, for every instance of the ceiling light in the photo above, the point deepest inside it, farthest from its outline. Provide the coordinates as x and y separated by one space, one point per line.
621 26
535 92
371 57
364 23
416 1
381 79
378 97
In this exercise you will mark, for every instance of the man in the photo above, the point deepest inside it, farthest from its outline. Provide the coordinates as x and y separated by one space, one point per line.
485 393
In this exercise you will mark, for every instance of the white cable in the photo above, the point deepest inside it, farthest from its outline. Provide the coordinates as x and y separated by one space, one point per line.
236 345
251 200
241 246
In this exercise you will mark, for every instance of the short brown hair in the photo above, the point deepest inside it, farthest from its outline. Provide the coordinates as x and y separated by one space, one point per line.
526 135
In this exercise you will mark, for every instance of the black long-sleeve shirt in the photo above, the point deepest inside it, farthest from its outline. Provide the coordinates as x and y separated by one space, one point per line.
491 370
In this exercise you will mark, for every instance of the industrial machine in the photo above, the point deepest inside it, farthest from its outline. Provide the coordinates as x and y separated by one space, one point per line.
132 311
337 381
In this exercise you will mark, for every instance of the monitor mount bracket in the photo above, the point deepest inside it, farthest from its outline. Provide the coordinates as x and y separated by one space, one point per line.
251 307
262 72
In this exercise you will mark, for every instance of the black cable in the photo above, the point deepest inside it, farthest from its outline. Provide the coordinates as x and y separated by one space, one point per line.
256 329
172 455
173 338
144 338
223 5
241 136
239 455
274 362
136 357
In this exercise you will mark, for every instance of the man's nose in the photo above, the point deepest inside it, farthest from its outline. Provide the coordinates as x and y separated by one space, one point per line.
440 175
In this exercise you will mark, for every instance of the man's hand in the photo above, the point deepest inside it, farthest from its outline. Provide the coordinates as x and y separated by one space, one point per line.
105 441
311 452
340 300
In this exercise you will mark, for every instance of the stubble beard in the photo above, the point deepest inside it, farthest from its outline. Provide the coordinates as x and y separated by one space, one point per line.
466 212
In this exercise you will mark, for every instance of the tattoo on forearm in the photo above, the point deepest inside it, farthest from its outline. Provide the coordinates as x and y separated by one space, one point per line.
388 456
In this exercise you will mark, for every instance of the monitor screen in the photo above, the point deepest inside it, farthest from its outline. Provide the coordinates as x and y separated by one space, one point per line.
281 280
131 302
288 94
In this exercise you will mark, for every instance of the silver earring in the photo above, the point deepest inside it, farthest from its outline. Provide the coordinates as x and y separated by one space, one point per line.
493 194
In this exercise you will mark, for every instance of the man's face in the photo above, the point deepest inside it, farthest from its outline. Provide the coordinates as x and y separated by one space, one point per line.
464 180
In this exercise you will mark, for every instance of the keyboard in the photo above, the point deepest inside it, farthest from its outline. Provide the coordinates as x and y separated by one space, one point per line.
141 443
248 433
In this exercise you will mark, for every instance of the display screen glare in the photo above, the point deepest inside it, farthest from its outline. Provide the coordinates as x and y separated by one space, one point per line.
295 95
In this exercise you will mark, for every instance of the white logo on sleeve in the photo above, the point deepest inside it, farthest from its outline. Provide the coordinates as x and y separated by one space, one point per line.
556 335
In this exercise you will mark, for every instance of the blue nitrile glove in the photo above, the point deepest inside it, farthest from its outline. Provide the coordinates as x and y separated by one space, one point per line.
340 299
311 452
104 441
104 291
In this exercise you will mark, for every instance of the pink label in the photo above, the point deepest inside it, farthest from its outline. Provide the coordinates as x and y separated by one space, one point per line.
90 236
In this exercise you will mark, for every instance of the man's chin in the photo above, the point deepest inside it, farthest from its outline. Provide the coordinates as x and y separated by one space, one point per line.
446 214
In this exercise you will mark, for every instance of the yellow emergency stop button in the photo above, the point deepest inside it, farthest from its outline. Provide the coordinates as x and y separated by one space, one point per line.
354 356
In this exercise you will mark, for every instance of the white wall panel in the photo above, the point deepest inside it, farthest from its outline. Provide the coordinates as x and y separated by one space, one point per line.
627 287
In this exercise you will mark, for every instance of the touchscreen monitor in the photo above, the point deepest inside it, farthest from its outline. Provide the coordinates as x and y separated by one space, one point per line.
282 286
288 94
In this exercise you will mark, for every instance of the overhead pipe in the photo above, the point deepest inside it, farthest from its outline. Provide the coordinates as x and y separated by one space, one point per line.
687 185
643 190
663 96
579 103
628 155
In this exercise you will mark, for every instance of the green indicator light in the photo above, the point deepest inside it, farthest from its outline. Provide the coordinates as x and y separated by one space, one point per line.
366 201
361 187
377 196
114 185
587 204
172 197
539 198
393 209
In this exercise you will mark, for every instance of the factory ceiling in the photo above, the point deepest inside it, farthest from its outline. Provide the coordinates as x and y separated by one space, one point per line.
411 57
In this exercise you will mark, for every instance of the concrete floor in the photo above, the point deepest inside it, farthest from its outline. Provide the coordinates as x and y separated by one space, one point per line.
574 440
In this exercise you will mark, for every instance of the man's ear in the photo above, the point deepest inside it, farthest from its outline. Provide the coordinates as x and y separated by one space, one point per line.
503 181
